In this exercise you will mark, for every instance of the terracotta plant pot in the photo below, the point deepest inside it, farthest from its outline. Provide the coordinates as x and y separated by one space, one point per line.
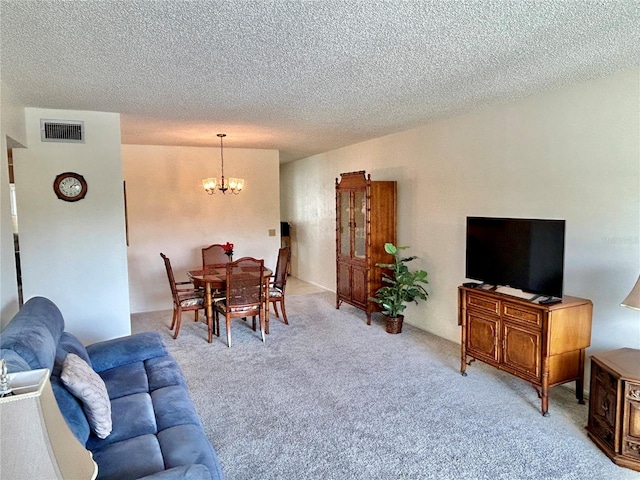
394 324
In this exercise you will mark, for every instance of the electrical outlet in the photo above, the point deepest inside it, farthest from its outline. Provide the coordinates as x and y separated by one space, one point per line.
272 232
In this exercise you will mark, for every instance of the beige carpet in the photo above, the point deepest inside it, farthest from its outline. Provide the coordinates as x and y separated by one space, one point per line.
329 397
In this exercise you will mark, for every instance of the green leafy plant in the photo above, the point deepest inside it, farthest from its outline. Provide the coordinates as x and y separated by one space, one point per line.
402 285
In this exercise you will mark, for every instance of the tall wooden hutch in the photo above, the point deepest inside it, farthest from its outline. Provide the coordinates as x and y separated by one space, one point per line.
365 221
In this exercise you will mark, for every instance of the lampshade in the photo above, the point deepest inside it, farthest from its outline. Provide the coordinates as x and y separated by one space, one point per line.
633 299
35 439
236 184
209 184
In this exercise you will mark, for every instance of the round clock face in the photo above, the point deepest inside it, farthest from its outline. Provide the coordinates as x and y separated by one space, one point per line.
70 186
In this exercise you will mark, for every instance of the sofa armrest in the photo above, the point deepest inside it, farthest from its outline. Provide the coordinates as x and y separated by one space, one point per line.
188 472
125 350
15 363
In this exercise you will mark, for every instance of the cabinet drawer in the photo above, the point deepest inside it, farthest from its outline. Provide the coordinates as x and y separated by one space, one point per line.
604 378
522 314
485 303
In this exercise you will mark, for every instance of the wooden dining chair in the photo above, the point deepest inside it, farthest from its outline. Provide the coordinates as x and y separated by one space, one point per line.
244 293
184 299
214 255
278 283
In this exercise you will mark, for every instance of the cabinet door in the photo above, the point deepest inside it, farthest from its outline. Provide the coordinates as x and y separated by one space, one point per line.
359 224
344 280
358 285
521 349
344 235
603 404
482 338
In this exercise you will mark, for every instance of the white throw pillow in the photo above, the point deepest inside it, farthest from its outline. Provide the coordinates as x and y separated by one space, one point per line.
89 388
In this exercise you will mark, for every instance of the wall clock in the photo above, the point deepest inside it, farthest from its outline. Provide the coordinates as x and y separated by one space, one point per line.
70 187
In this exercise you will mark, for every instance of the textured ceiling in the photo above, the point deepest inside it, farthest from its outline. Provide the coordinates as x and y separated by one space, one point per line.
300 76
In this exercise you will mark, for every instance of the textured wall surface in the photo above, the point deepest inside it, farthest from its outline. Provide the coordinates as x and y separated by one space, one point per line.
169 212
74 253
570 154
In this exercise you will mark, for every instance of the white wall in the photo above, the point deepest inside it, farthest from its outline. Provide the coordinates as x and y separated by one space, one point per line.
12 134
74 252
169 212
572 154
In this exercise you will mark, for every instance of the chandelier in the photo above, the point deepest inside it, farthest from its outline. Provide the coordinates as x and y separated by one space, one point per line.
232 184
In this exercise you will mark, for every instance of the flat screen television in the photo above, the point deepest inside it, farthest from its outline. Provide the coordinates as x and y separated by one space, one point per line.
527 254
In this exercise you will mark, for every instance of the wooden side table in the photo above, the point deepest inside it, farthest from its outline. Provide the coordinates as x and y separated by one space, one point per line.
614 405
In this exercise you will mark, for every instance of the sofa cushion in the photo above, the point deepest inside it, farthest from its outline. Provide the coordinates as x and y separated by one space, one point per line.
88 387
126 380
163 372
71 410
131 458
43 321
132 415
187 444
123 350
186 472
173 407
70 344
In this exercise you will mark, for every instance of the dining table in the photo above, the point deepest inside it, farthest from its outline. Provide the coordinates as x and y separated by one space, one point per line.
214 279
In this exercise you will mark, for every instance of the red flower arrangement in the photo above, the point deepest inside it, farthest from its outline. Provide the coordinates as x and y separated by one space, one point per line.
228 249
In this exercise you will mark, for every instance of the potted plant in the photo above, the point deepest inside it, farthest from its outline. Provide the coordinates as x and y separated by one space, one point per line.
402 286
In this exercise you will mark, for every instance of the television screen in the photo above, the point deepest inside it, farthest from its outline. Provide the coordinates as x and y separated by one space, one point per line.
527 254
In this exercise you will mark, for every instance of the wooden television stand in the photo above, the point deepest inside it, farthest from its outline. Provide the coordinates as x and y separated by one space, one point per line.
542 344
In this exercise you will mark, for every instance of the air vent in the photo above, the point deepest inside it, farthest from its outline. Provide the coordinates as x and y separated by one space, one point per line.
68 131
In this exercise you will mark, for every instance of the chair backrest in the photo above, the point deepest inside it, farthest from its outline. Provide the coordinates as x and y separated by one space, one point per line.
282 268
214 255
245 282
172 281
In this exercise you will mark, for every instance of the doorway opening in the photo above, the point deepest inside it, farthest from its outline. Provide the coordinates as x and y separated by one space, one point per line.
14 221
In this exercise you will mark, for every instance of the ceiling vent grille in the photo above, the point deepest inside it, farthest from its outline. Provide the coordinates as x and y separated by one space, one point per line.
67 131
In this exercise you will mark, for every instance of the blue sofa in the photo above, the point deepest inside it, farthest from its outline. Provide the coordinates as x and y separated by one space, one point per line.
156 431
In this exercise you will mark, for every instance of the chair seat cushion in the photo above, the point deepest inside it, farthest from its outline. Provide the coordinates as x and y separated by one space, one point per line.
221 306
192 299
275 292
